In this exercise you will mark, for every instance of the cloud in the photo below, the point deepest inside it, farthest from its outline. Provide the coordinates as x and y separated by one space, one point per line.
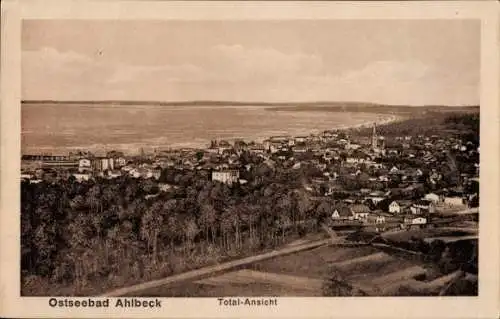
51 74
263 62
234 72
165 73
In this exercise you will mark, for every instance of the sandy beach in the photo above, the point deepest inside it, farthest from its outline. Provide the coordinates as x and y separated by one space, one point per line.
59 130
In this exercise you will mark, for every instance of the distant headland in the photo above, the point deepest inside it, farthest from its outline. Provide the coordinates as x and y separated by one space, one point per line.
277 106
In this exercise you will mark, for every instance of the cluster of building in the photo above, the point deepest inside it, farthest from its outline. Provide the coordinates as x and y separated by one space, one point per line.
84 167
338 157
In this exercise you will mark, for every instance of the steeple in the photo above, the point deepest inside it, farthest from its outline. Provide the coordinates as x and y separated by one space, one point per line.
374 136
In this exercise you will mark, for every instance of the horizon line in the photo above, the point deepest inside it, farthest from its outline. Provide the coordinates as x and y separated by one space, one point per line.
226 102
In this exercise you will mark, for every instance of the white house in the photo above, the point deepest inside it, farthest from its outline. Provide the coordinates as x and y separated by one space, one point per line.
141 172
454 201
164 187
299 149
226 176
360 211
352 146
84 164
394 208
433 197
376 219
81 177
383 178
114 174
376 199
120 162
423 206
300 139
26 176
103 163
415 220
342 213
380 219
419 221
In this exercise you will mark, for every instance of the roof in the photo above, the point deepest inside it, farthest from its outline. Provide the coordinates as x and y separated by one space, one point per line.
377 193
423 202
360 208
344 211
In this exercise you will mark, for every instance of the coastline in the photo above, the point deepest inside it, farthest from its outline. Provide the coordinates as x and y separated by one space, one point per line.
132 148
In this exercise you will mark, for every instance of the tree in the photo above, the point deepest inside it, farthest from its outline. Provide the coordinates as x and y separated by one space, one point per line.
207 220
172 228
324 210
191 229
151 224
336 286
93 199
302 205
226 225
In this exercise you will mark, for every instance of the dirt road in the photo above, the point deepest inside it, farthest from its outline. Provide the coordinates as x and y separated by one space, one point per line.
211 270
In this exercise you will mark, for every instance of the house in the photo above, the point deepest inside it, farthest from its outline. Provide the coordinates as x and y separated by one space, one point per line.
352 146
433 197
81 177
300 149
257 149
395 207
212 150
156 173
376 219
84 164
383 178
26 176
394 170
300 139
284 139
102 163
360 211
226 176
114 174
423 206
342 213
454 201
163 187
375 199
141 172
120 162
415 220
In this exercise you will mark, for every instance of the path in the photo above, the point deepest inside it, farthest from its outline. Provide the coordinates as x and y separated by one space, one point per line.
211 270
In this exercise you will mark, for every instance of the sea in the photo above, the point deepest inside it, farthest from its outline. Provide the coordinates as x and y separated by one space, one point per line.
62 128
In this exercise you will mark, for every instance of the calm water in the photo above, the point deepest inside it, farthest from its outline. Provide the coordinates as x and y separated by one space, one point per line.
61 128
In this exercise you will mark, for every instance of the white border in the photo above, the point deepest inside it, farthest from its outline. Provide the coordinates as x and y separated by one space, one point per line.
484 306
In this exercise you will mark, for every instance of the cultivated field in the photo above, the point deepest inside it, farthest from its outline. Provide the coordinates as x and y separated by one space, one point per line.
404 236
303 274
313 263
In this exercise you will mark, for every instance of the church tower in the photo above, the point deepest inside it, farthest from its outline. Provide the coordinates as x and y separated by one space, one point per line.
374 137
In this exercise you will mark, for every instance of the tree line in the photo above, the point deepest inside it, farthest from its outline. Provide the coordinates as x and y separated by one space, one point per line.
110 232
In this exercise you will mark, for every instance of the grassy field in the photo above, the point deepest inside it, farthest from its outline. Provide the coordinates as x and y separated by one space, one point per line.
313 263
404 236
302 274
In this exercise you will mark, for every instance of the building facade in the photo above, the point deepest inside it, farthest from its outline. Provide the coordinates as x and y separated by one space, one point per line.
226 176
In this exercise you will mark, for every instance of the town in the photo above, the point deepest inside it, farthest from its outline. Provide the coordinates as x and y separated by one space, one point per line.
368 179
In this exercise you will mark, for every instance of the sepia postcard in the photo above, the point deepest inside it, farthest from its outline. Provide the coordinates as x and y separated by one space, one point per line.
250 159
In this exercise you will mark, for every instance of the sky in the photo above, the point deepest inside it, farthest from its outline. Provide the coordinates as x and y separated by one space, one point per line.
410 62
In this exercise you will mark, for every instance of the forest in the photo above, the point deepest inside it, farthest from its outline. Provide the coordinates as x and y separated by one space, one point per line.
460 124
81 238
